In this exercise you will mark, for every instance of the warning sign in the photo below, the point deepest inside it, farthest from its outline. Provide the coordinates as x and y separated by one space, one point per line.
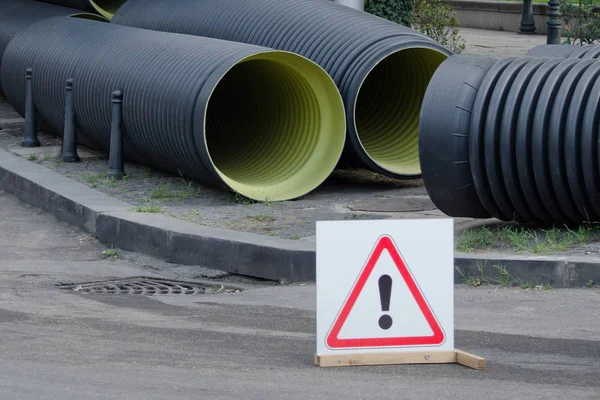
384 286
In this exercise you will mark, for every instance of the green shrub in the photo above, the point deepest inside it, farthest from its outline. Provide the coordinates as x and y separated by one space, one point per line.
582 21
430 17
398 11
437 20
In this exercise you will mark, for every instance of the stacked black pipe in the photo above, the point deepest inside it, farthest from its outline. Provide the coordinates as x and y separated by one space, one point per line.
266 123
515 139
381 68
16 15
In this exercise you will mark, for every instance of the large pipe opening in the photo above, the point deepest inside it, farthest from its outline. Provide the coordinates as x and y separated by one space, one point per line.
388 108
107 8
275 126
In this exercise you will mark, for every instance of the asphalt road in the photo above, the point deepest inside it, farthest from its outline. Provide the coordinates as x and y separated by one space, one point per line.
256 344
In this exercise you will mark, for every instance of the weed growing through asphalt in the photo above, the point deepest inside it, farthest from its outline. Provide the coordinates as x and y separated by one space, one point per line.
111 253
503 278
475 280
293 237
589 283
151 209
519 239
32 157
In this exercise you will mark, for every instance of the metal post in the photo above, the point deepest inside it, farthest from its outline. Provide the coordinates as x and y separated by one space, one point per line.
70 132
554 23
31 138
357 4
115 159
527 23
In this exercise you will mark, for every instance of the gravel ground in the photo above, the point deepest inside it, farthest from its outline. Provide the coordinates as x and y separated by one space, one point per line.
347 195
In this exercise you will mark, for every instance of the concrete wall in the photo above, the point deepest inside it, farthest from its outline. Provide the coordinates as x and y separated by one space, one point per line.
497 15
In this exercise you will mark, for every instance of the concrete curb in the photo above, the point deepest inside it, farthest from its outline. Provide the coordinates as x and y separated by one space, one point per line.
557 271
113 223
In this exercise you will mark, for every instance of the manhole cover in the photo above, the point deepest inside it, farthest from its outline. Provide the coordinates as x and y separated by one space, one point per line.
144 286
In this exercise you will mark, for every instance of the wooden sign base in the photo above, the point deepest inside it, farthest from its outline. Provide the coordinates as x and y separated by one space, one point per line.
417 357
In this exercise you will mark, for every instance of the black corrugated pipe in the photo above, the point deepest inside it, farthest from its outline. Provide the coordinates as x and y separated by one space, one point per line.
16 15
382 69
106 8
587 52
518 140
268 124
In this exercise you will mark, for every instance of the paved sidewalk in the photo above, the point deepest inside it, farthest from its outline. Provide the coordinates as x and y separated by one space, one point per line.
499 44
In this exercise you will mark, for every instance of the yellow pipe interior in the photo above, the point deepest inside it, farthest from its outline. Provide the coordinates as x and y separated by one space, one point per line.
388 108
275 126
107 8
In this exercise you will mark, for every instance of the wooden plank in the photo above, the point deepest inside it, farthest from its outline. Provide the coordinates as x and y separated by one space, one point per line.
470 360
417 357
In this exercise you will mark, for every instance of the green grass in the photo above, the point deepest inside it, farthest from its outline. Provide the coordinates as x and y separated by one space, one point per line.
151 209
262 218
293 237
473 240
161 192
518 239
32 157
93 178
111 253
501 277
165 192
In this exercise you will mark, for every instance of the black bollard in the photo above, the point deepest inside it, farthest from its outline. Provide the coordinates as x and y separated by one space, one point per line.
31 138
554 23
115 159
527 23
70 132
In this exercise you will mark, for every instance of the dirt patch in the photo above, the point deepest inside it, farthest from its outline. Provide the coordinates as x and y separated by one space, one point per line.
346 195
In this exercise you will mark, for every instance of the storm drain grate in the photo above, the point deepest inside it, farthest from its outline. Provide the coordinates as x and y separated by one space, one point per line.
144 286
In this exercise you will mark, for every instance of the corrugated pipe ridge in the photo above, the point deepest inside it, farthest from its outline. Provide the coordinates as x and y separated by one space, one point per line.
16 15
268 124
515 139
382 69
106 8
586 52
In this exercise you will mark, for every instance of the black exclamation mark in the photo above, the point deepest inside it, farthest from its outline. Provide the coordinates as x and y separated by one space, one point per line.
385 292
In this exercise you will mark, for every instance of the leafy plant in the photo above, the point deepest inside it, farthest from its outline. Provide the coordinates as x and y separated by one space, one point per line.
433 18
582 21
436 19
398 11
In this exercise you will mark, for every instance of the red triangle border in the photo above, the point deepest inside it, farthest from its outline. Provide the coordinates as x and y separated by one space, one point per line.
332 340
